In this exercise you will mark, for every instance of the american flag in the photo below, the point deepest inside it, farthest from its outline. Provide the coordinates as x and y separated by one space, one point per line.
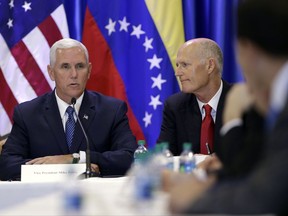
27 31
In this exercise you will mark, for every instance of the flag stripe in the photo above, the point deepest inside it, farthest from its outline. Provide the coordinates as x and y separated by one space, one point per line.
30 68
13 76
59 17
6 97
5 125
168 18
39 48
48 26
105 74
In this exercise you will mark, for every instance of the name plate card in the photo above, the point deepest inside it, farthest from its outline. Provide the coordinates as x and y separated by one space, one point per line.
51 172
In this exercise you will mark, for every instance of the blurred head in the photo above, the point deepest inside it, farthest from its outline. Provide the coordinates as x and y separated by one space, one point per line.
69 68
199 66
262 44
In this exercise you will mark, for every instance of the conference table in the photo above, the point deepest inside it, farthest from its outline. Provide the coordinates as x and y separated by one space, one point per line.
100 196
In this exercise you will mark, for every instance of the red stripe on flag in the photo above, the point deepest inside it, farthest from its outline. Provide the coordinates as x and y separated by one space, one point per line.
30 68
50 30
104 76
6 97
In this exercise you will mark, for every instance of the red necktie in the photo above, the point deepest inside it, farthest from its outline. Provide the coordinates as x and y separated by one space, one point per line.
207 131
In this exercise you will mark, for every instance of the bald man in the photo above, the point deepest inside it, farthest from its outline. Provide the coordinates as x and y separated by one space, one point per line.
199 68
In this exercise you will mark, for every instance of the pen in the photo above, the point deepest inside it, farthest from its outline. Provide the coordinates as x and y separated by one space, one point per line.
208 149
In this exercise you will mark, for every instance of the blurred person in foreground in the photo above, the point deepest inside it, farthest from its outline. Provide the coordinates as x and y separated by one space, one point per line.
262 48
199 68
38 132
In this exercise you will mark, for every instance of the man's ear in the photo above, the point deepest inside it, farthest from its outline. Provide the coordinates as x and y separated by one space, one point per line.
211 65
89 69
50 72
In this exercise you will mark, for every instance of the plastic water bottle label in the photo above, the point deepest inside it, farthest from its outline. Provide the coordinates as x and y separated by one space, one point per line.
186 167
170 165
137 160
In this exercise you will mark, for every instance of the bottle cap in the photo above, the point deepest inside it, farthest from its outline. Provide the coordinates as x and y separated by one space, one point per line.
141 142
187 146
165 145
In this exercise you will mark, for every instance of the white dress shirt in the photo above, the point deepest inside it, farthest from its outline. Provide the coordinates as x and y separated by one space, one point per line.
62 106
213 103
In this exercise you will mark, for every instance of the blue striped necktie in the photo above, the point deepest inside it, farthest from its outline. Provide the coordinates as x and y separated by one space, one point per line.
70 126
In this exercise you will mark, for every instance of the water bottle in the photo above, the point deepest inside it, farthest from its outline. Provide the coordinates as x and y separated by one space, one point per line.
143 187
73 196
168 155
140 153
187 160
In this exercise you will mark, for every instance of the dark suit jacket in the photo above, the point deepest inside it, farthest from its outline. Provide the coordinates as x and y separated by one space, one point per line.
242 146
38 131
264 190
182 121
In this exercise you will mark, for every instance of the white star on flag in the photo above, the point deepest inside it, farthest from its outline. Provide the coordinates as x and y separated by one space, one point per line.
155 101
154 62
110 27
148 44
158 81
11 4
123 24
26 6
147 119
10 23
137 31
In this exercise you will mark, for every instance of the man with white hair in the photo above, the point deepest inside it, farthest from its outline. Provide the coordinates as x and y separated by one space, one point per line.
46 129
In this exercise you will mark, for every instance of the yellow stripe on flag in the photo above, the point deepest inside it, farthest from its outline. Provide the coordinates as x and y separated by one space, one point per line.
168 18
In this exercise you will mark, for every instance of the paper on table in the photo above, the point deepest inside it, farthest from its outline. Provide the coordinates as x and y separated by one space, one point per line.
50 172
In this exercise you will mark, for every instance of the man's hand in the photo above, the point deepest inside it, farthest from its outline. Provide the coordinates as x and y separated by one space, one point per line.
210 164
59 159
95 168
56 159
183 194
237 102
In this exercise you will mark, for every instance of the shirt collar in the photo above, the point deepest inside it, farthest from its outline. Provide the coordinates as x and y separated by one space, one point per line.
213 102
62 105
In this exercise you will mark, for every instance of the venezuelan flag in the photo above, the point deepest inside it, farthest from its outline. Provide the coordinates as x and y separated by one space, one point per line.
132 46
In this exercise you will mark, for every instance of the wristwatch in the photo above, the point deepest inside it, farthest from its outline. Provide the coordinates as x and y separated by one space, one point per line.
76 158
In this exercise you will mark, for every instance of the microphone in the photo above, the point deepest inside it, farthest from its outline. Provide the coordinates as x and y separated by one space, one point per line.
88 173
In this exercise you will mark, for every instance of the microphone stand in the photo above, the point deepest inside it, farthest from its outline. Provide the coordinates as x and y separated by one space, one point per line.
88 173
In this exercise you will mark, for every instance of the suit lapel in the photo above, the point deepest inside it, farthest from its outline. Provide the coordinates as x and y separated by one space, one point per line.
53 118
86 115
192 121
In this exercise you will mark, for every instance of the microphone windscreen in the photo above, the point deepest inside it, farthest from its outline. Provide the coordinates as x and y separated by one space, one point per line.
73 100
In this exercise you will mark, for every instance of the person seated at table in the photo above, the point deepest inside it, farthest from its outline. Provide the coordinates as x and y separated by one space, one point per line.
195 114
46 130
263 56
239 155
